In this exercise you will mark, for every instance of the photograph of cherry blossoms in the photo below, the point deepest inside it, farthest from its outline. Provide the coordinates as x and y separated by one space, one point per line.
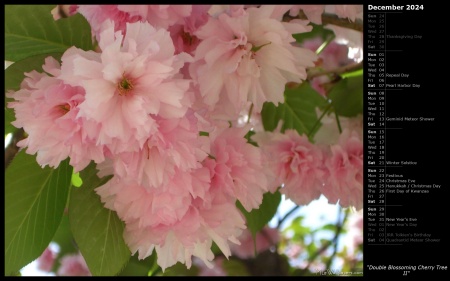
183 140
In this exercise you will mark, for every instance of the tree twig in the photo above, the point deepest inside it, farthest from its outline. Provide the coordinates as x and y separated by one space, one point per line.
12 149
320 119
338 230
339 226
287 215
343 69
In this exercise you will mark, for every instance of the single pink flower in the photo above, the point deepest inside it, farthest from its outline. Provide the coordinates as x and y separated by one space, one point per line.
47 109
133 79
248 57
296 162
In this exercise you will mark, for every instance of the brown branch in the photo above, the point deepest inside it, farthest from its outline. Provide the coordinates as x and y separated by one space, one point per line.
291 211
335 72
12 149
340 70
331 19
338 231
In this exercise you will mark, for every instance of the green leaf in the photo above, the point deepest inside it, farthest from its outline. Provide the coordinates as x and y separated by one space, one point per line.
180 269
34 203
298 227
248 136
215 249
9 117
15 73
234 267
258 218
257 48
271 115
136 267
304 272
63 237
347 96
97 230
318 31
297 112
14 76
329 226
269 263
31 30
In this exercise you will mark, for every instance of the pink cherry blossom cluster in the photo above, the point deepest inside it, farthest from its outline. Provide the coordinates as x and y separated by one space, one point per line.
344 160
332 166
153 107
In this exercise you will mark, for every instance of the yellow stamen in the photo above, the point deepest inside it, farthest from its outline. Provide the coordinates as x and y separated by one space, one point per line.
124 86
65 107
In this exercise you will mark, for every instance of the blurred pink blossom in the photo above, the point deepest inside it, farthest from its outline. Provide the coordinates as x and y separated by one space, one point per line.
73 265
216 270
46 260
61 11
355 230
333 56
